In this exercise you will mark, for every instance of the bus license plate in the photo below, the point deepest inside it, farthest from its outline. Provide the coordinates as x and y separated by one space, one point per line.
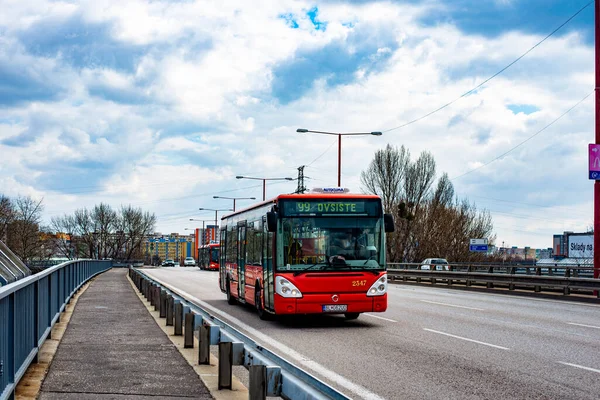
335 308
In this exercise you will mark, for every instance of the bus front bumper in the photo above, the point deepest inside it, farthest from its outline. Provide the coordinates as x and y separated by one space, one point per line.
327 304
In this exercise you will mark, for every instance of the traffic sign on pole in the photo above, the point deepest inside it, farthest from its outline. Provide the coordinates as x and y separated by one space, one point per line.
479 245
594 161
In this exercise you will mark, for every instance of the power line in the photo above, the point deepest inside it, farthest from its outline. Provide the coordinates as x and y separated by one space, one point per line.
322 154
527 204
526 140
495 75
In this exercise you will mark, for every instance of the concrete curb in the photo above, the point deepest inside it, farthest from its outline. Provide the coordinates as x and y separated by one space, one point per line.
208 373
30 385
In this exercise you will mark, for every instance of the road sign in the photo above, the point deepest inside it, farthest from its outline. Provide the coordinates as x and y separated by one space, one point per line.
594 161
481 248
479 241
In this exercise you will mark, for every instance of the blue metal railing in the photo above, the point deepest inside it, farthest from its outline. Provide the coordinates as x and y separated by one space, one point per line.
29 308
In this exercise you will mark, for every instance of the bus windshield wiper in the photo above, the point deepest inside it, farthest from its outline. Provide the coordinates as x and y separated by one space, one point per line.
307 268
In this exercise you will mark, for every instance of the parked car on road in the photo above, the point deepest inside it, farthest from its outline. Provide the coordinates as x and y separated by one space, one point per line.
189 262
168 263
437 264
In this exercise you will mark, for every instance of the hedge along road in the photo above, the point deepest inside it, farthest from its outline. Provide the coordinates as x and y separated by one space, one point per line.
431 343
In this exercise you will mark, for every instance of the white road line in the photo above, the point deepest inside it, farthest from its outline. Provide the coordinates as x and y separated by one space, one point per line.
376 316
301 359
580 366
467 339
452 305
586 326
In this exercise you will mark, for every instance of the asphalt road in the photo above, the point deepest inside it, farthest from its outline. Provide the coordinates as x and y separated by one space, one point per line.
431 343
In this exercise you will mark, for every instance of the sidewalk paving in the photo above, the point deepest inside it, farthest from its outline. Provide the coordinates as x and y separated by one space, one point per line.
113 349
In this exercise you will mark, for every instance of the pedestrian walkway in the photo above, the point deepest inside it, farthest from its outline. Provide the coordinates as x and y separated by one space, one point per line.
113 349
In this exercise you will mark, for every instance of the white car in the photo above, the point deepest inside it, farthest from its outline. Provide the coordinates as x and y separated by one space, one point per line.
189 262
437 264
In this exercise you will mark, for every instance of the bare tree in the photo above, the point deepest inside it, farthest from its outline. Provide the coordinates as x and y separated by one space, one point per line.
419 179
104 219
385 175
136 226
429 221
86 232
66 229
7 215
104 232
24 237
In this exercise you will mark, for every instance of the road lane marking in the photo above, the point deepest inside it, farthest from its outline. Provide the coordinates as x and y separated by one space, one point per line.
467 339
307 362
452 305
587 326
376 316
580 366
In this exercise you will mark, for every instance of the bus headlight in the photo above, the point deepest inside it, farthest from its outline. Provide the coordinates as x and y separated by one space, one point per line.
286 288
379 288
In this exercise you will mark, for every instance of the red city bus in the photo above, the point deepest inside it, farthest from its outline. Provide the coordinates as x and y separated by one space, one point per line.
308 253
208 256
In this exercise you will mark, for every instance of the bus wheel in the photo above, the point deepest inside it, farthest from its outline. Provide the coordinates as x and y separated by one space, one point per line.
351 315
230 298
262 314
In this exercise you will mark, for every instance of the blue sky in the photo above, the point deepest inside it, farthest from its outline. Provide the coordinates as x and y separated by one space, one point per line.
161 104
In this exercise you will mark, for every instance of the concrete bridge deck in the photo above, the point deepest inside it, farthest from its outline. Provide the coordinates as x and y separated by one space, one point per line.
114 349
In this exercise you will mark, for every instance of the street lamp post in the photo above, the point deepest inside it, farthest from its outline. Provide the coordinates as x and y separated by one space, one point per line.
264 181
216 215
234 199
203 221
339 135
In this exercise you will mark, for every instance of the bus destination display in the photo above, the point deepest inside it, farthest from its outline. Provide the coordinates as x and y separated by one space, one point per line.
329 207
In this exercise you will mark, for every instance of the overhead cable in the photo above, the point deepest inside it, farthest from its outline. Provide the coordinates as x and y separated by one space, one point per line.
495 75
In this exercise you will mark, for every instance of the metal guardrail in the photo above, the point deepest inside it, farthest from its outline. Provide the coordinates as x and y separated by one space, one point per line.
507 278
270 375
29 308
567 270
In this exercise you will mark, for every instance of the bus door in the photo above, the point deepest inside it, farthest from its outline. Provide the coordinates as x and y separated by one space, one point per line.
223 260
241 260
267 262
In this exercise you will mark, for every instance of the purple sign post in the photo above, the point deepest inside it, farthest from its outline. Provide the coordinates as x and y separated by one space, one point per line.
594 157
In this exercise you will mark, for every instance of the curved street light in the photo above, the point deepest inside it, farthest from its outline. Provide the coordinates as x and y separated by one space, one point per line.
339 135
264 182
234 199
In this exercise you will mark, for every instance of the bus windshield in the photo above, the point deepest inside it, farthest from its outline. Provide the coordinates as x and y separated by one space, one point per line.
335 242
214 254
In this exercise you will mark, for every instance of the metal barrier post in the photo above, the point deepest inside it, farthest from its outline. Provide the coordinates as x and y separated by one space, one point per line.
225 365
188 340
204 345
163 304
170 303
156 298
258 382
178 319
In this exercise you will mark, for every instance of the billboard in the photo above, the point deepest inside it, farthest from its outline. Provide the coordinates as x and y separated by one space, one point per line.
581 246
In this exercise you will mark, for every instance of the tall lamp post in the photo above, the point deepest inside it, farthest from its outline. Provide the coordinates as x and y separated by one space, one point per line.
203 221
339 135
216 215
234 199
264 180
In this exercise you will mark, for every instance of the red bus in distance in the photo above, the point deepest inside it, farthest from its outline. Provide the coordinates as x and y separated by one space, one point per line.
208 257
311 253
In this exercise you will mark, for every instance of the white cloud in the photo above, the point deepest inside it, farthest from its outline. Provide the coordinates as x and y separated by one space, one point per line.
200 108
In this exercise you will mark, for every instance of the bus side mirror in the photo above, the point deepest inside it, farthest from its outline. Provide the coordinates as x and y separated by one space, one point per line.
388 222
271 221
